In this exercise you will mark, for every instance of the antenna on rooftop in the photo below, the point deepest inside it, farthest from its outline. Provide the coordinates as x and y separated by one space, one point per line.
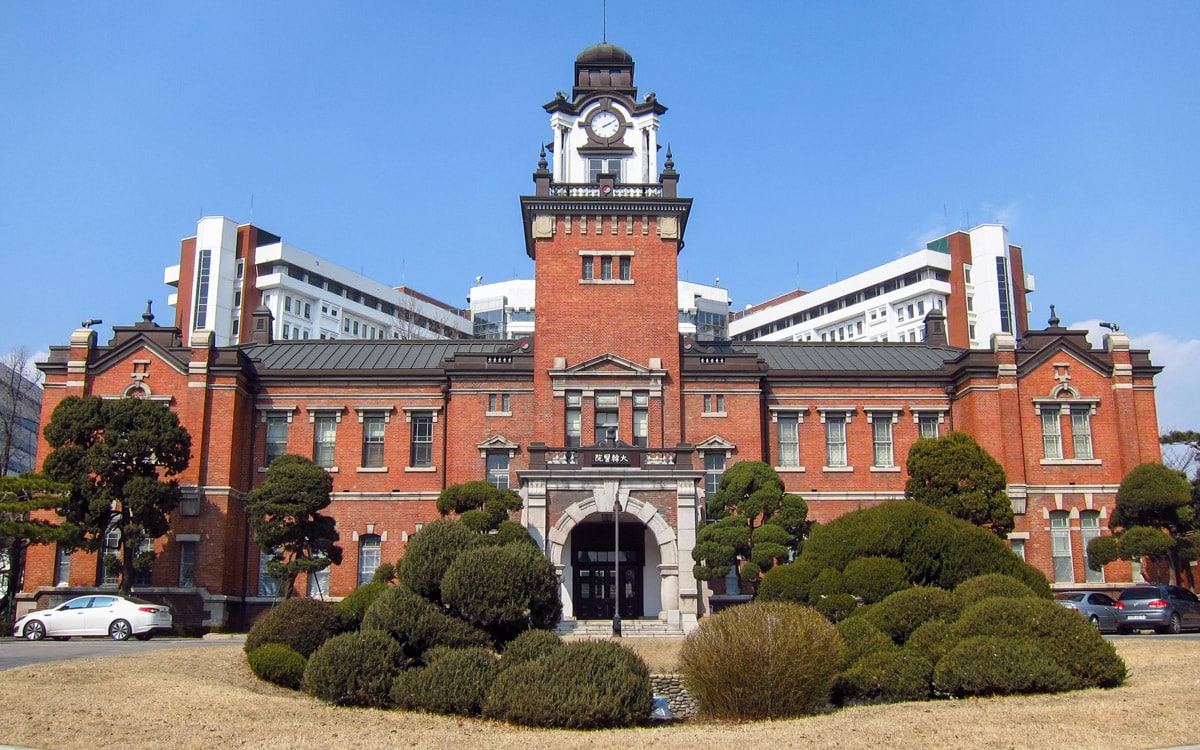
604 20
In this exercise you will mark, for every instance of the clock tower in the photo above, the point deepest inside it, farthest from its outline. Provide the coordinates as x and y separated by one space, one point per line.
605 228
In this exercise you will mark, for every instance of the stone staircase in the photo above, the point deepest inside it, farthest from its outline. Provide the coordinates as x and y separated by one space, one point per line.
629 629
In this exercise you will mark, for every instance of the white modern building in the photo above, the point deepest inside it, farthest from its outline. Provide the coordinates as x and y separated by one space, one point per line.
976 278
226 271
504 310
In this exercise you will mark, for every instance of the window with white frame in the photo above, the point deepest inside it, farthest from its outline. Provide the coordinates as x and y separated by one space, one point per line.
110 575
498 403
1018 547
881 431
608 404
1089 529
1051 431
714 469
1081 430
598 165
369 557
835 440
497 469
318 581
373 433
928 425
714 403
324 440
187 564
641 419
277 436
1060 546
268 585
141 575
788 427
62 564
421 439
574 419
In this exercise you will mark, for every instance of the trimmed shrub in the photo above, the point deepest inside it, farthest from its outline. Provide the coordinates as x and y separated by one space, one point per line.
431 551
530 645
301 623
837 607
987 586
418 624
885 677
503 590
385 573
932 639
827 583
873 578
355 669
582 685
351 609
455 682
510 532
1069 639
762 660
278 664
900 613
862 638
995 665
789 583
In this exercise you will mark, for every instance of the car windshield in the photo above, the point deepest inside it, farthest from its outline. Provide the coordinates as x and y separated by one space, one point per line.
1139 592
1069 597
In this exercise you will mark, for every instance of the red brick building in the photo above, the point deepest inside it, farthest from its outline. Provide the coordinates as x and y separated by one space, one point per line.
605 410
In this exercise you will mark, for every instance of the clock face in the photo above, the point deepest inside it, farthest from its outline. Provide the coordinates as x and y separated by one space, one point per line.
605 124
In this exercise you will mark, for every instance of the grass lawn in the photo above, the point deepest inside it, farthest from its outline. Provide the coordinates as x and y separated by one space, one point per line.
207 698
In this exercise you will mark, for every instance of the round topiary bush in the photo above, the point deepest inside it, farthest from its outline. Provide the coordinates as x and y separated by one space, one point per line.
301 623
996 665
355 669
900 613
863 638
885 677
351 609
932 639
418 624
789 583
455 682
836 607
827 583
873 578
430 552
278 664
530 645
582 685
503 590
762 660
1069 639
986 586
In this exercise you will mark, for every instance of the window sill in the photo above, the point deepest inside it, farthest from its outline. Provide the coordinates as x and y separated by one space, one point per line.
838 469
330 469
886 469
603 282
1071 462
713 414
372 470
497 414
420 469
791 469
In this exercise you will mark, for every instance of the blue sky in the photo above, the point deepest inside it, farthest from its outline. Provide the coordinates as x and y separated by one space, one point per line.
818 140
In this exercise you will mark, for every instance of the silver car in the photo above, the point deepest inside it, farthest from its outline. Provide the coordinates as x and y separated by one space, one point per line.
95 615
1099 609
1165 608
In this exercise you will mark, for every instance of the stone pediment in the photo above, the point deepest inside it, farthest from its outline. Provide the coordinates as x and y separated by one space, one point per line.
608 372
497 443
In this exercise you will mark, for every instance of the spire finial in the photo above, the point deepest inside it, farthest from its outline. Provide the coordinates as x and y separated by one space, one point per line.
542 157
148 316
604 20
1053 318
669 163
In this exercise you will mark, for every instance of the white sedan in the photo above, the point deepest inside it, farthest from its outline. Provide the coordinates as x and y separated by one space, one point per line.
95 615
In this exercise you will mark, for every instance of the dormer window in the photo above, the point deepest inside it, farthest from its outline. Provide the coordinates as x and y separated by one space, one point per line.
598 165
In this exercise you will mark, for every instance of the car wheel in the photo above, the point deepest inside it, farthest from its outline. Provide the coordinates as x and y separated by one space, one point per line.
119 630
1174 626
1095 621
35 631
142 636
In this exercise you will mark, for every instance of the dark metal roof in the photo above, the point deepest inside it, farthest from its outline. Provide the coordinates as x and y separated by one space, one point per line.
857 357
368 355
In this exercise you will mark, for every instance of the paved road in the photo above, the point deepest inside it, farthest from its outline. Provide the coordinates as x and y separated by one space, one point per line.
16 652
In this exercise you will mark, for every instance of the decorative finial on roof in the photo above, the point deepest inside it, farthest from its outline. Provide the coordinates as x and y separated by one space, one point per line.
669 163
148 316
542 157
1054 321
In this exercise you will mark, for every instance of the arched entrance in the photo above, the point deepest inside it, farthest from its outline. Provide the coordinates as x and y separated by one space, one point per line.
598 559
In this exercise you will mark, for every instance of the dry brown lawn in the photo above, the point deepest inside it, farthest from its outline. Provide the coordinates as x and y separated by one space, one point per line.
206 697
